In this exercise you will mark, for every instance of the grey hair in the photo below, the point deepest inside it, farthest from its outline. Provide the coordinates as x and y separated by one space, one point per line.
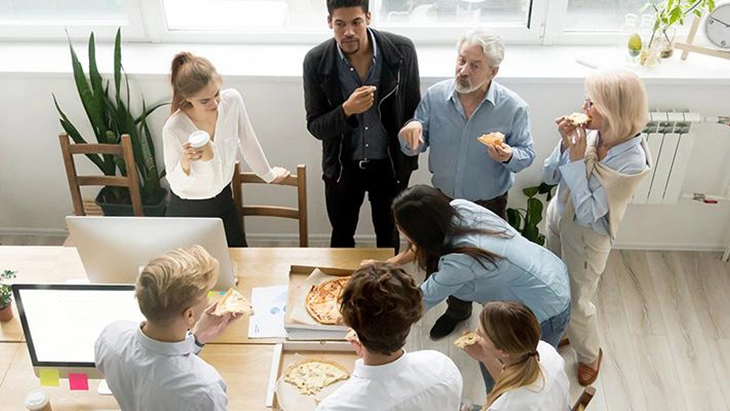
491 44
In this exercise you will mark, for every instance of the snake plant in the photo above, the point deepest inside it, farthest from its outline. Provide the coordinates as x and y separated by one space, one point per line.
110 117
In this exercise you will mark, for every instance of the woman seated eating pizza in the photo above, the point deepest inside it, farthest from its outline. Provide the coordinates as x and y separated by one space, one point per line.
380 303
470 253
529 372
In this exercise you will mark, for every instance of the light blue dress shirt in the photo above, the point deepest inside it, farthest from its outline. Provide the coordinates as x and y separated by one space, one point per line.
459 163
525 272
589 198
146 374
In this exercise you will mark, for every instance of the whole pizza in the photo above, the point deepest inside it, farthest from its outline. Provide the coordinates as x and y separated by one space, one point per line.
322 300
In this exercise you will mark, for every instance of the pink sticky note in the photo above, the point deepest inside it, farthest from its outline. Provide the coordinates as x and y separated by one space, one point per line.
78 382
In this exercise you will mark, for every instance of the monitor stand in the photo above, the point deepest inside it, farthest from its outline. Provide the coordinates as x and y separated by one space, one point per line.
103 388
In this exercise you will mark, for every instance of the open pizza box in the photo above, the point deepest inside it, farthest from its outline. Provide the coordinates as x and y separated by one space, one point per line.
298 324
284 396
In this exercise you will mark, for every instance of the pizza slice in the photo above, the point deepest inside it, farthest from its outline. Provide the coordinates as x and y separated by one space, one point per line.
579 119
233 302
312 375
466 340
492 139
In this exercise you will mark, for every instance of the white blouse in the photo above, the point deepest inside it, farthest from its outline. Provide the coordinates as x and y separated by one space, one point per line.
233 141
550 394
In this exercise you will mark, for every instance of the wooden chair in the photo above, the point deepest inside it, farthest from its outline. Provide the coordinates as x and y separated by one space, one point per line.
298 180
584 399
131 181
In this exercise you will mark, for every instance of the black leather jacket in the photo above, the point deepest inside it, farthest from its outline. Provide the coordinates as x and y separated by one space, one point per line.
399 96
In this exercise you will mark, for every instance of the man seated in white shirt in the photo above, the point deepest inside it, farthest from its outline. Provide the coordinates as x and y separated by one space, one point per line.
380 303
153 366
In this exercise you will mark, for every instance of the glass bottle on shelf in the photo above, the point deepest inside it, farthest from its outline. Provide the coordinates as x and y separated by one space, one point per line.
631 37
649 53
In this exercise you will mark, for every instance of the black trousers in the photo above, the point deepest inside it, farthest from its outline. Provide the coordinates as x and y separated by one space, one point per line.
345 197
221 206
459 308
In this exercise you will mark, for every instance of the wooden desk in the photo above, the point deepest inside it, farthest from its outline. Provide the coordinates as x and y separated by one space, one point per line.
245 368
256 267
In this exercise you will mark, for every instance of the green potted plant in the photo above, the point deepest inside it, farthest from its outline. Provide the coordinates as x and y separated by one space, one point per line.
110 117
668 14
525 220
6 296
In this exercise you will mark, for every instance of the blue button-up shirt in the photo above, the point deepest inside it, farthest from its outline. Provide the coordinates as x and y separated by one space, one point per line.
588 195
459 163
525 272
369 140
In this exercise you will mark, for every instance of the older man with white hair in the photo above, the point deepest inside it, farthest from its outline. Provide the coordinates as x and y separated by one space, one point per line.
449 119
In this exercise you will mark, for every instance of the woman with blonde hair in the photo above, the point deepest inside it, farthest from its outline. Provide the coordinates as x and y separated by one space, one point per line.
598 167
529 373
207 133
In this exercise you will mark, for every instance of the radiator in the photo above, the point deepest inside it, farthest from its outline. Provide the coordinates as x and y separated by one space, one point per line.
671 140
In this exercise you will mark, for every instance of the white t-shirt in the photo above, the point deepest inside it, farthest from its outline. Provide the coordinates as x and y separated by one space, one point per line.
553 396
234 140
423 380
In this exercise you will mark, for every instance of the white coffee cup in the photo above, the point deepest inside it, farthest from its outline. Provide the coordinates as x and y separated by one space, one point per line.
199 138
38 400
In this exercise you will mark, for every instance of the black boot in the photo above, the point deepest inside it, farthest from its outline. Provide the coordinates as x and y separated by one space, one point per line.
457 312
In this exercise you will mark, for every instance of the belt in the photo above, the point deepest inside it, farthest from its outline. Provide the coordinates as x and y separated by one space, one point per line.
362 164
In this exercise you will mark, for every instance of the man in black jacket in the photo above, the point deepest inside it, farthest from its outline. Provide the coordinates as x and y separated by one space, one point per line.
360 88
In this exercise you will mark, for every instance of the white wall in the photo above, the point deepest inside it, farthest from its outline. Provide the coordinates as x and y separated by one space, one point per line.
34 195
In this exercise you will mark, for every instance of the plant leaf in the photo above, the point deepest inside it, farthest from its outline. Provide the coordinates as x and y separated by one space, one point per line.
530 191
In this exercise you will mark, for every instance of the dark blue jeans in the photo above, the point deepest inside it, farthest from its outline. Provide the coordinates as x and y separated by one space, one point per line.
552 330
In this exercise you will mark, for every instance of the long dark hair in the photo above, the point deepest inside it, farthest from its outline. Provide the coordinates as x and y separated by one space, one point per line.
426 216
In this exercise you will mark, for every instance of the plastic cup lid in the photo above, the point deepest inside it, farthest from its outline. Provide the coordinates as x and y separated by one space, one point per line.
199 138
36 399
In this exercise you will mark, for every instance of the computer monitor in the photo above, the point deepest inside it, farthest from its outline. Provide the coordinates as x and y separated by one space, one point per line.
114 249
61 322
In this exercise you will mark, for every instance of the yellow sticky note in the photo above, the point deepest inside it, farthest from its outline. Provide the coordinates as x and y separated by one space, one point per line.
211 293
49 377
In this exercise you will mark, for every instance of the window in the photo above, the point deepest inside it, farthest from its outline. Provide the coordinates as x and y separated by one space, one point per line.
304 21
40 19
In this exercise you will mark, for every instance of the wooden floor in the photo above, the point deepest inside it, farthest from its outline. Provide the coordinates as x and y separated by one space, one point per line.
665 322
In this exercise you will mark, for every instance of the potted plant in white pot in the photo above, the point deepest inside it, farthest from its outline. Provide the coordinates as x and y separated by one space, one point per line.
110 117
668 16
6 295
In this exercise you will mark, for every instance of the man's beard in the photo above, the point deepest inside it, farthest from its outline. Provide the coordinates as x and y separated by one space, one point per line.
463 89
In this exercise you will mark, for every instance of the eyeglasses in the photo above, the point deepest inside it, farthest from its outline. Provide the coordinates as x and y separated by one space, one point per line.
589 102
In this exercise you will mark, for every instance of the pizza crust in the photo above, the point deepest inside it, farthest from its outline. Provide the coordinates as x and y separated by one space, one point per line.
579 119
322 303
466 340
233 302
492 139
312 375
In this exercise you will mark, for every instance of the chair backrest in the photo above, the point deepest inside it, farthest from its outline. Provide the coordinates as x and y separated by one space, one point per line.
300 213
584 399
75 181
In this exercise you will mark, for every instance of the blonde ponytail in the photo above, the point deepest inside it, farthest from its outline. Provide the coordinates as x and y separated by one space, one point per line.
188 75
513 328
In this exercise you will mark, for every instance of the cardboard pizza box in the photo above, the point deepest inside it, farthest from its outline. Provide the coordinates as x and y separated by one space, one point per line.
292 352
297 322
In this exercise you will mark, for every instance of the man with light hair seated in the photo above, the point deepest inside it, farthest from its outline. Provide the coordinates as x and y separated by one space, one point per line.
153 365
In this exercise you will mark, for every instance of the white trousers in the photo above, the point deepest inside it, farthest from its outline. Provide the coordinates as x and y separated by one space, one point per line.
584 252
